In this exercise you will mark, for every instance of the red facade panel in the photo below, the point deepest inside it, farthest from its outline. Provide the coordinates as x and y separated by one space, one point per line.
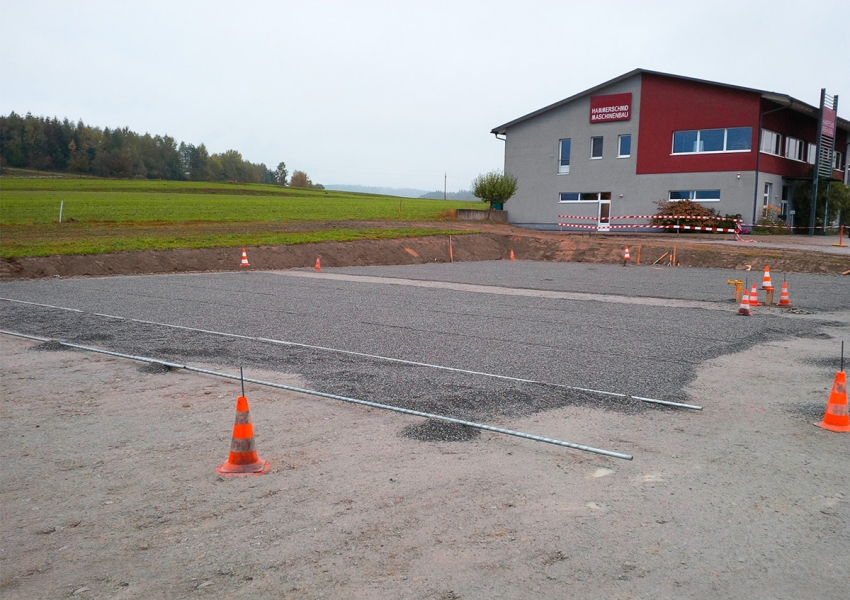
669 104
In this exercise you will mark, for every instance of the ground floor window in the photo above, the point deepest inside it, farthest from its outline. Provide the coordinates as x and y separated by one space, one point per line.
695 195
584 196
768 192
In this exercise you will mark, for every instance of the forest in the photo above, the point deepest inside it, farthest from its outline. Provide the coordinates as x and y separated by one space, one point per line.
46 144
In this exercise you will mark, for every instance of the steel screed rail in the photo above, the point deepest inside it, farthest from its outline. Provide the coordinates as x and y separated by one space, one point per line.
407 411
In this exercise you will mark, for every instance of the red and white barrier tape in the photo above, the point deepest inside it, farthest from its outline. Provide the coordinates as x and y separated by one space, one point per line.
638 226
665 217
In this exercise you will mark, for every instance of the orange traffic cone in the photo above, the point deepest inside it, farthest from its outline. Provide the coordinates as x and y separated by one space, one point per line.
626 256
836 417
244 262
765 281
243 459
744 310
784 300
512 254
754 297
318 266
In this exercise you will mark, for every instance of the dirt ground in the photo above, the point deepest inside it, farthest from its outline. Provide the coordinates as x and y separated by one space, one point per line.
110 491
799 254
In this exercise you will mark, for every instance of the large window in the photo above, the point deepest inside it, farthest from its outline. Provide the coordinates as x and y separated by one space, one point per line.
564 162
771 142
695 195
624 149
596 147
695 141
584 196
795 149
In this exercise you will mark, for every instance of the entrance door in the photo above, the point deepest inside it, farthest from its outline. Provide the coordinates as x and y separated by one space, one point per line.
604 216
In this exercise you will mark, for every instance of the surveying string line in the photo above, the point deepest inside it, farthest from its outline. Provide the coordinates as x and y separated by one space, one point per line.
407 411
379 357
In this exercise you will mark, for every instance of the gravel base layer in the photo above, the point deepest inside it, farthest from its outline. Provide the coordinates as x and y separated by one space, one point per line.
640 350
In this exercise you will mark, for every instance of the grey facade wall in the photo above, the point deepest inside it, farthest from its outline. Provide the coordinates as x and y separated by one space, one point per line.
532 151
532 155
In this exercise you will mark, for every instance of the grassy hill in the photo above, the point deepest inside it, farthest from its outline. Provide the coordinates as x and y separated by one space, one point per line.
105 215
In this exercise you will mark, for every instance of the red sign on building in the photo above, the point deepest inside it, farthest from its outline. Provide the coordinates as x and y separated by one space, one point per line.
613 107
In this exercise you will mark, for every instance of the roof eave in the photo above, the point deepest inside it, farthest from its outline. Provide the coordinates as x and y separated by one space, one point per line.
789 101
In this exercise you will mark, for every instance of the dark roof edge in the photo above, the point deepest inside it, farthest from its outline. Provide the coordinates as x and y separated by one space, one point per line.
779 98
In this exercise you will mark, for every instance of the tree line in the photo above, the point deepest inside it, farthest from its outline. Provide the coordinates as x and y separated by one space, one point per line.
47 144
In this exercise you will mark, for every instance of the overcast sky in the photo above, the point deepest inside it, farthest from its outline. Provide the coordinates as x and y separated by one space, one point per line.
388 93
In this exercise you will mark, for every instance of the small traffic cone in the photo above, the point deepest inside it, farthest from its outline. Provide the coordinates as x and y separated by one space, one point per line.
784 300
318 266
754 297
512 254
626 256
243 459
244 262
744 310
765 281
836 417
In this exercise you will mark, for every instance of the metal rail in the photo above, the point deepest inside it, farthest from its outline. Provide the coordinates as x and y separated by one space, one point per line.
407 411
366 355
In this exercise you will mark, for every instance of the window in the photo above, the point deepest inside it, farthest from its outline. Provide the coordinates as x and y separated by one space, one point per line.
739 138
625 146
771 142
596 147
837 161
795 149
584 196
564 163
768 192
813 154
695 195
733 139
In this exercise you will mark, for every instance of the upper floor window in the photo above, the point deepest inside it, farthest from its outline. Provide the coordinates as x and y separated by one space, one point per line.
564 161
624 149
837 161
812 156
771 142
795 149
733 139
596 147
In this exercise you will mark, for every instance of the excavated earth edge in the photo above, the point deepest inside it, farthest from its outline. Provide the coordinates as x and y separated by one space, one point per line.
526 245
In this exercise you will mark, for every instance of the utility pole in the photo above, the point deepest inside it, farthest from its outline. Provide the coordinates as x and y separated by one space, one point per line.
444 186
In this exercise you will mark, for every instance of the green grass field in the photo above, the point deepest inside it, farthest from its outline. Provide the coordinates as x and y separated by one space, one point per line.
103 215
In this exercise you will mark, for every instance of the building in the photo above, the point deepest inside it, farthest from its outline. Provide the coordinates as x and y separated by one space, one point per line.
645 136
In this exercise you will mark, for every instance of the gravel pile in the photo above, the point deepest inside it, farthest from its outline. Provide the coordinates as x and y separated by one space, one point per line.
51 346
434 430
155 368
